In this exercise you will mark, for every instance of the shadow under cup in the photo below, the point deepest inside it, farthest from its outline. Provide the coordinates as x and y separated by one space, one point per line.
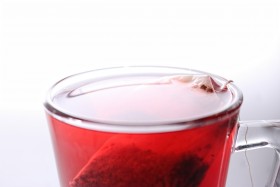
118 127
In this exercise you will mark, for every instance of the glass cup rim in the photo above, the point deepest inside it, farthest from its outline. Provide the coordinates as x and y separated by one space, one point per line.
63 115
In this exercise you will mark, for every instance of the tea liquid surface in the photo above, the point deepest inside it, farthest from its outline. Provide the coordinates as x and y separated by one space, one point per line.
145 100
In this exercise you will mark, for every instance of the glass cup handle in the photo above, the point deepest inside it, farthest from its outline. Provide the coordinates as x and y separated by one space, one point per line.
253 137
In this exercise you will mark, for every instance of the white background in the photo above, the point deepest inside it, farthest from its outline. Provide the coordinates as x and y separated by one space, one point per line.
43 41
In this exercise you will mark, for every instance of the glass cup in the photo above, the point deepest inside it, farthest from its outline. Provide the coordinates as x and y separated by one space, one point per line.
149 126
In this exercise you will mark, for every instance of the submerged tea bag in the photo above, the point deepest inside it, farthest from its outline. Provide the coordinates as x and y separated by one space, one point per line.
169 160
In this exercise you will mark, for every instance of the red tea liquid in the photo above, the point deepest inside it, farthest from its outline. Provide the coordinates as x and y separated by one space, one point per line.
162 152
